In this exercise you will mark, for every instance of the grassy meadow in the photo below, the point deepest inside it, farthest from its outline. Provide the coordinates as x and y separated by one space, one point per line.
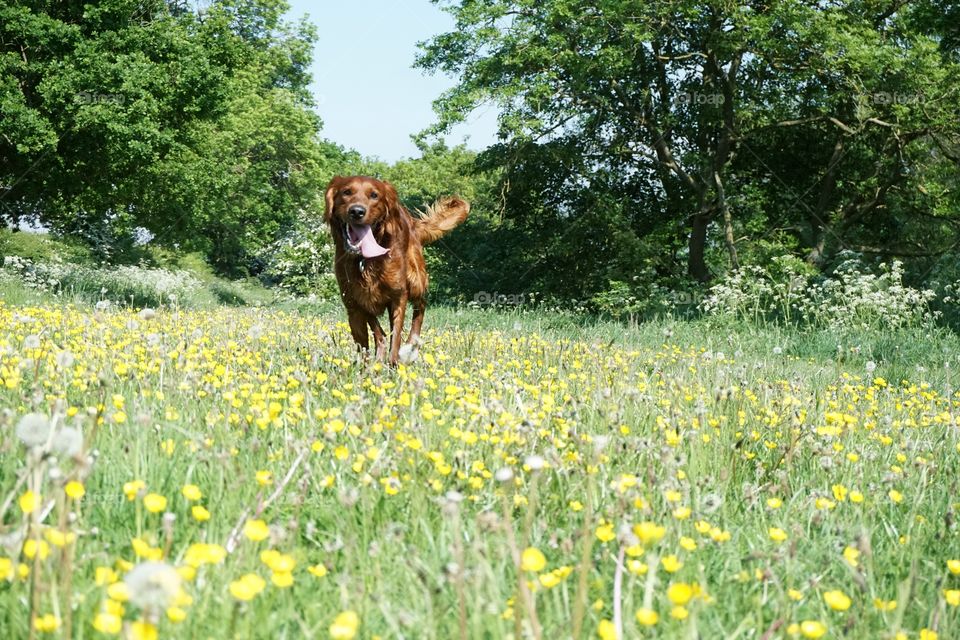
238 473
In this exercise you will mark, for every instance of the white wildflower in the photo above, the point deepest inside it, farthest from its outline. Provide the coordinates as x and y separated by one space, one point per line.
33 429
153 585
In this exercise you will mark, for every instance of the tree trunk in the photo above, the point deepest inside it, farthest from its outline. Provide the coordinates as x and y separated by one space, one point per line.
696 261
728 236
818 217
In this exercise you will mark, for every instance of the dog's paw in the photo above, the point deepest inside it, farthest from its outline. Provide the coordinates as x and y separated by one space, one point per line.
408 353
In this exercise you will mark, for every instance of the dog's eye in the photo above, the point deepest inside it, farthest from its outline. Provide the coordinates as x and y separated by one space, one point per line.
374 196
348 192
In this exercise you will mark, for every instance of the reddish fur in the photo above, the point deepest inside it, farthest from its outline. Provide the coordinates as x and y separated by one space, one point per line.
389 282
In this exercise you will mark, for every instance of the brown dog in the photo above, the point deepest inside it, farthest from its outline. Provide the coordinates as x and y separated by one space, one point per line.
379 256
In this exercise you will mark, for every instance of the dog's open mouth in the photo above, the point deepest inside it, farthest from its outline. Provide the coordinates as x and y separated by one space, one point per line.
359 239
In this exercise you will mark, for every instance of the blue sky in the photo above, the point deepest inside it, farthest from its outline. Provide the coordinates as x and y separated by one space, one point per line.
368 95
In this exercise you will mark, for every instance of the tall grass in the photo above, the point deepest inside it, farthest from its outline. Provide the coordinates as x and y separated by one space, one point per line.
529 475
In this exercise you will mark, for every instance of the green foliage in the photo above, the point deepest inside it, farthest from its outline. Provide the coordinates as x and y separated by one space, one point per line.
137 119
715 134
43 247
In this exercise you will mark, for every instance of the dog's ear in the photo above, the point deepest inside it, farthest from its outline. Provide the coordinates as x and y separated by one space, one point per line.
331 192
394 208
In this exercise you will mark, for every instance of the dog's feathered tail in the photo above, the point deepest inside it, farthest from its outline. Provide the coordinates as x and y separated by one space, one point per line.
440 219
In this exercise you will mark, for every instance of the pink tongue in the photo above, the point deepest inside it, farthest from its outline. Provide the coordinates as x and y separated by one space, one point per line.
369 247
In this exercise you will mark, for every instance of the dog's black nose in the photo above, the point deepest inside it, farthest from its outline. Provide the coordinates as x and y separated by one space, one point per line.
357 211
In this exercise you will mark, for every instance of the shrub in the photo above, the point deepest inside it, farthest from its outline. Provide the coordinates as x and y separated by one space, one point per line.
639 298
302 264
849 297
134 285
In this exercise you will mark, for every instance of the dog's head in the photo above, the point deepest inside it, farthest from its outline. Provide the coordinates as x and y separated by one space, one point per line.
357 207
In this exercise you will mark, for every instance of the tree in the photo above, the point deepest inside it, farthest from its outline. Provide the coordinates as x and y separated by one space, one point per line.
698 100
131 118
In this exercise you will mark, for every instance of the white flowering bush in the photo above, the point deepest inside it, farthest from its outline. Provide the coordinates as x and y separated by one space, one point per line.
125 284
850 297
302 264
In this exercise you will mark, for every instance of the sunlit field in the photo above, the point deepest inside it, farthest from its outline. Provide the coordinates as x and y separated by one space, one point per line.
240 473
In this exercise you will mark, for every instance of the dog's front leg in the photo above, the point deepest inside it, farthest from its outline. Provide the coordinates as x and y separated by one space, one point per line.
358 328
379 339
397 311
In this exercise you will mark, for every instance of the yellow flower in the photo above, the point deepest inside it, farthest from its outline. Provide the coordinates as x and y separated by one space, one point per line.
191 492
46 623
264 478
605 533
813 629
33 548
199 513
777 534
679 593
276 561
532 559
824 503
687 544
774 503
154 502
318 570
649 532
282 579
143 631
647 617
839 492
132 488
671 563
74 490
176 614
606 630
852 556
118 591
837 600
954 566
896 496
256 530
795 595
952 597
29 501
247 587
108 623
144 550
884 605
6 568
201 553
928 634
679 613
344 626
59 538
